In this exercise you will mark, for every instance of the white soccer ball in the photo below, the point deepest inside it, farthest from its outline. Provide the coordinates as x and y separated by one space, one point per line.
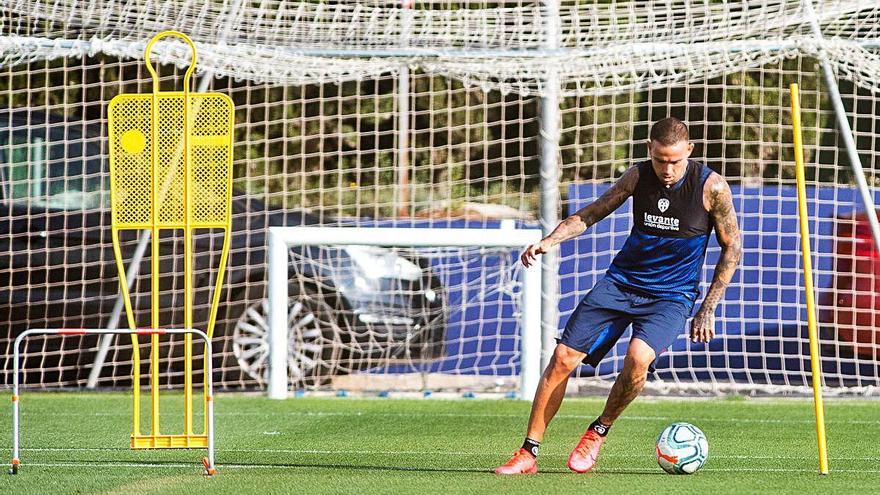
682 448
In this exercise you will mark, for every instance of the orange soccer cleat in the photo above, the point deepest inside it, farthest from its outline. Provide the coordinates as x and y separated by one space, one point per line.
583 457
521 463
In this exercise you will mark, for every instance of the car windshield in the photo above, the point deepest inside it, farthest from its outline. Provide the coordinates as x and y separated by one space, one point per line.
52 167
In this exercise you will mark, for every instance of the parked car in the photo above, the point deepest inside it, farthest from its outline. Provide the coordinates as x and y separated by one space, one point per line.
850 308
348 305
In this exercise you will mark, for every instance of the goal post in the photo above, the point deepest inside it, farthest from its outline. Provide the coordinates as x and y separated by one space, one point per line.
281 239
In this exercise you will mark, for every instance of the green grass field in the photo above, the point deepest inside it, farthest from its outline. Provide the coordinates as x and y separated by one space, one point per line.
77 443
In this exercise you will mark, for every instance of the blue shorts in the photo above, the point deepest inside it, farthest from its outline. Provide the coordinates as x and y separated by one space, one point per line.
607 310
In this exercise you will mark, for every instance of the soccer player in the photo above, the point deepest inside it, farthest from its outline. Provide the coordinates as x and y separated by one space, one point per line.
652 284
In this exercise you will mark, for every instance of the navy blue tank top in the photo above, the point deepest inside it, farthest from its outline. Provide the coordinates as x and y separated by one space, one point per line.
664 253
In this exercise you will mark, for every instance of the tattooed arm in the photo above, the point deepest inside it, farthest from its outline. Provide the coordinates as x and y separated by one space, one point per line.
719 203
576 224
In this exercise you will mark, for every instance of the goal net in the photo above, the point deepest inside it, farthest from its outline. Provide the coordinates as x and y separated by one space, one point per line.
449 310
437 112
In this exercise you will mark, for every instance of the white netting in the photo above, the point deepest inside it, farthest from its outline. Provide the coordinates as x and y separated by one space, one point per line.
319 137
509 47
742 130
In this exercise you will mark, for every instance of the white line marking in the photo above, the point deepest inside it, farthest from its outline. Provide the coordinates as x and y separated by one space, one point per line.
221 467
422 415
442 453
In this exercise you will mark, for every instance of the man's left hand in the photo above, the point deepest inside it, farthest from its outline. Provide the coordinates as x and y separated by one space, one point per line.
703 326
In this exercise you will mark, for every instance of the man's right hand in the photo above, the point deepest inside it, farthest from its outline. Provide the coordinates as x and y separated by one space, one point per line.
531 253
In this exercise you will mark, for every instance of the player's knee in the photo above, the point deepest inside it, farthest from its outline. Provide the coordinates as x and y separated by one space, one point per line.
639 357
565 359
636 365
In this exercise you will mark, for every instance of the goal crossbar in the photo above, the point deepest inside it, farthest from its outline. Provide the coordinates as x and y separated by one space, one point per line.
282 238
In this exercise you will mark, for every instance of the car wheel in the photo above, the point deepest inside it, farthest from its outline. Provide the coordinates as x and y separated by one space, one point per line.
313 340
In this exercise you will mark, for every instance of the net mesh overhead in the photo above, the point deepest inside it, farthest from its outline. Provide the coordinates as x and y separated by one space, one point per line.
508 46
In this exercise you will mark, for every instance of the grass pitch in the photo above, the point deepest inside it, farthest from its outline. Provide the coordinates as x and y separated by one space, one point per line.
78 443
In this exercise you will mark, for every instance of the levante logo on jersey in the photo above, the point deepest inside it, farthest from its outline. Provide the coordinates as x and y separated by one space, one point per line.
659 221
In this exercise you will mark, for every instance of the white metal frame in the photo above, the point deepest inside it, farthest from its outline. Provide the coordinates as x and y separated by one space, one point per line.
281 238
208 370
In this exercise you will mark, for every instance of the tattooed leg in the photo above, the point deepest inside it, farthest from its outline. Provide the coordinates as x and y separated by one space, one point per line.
630 381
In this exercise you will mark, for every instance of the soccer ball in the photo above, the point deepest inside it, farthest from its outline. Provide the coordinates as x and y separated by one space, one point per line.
682 448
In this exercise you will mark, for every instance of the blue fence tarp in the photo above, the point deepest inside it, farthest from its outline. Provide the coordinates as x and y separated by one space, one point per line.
761 334
763 317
